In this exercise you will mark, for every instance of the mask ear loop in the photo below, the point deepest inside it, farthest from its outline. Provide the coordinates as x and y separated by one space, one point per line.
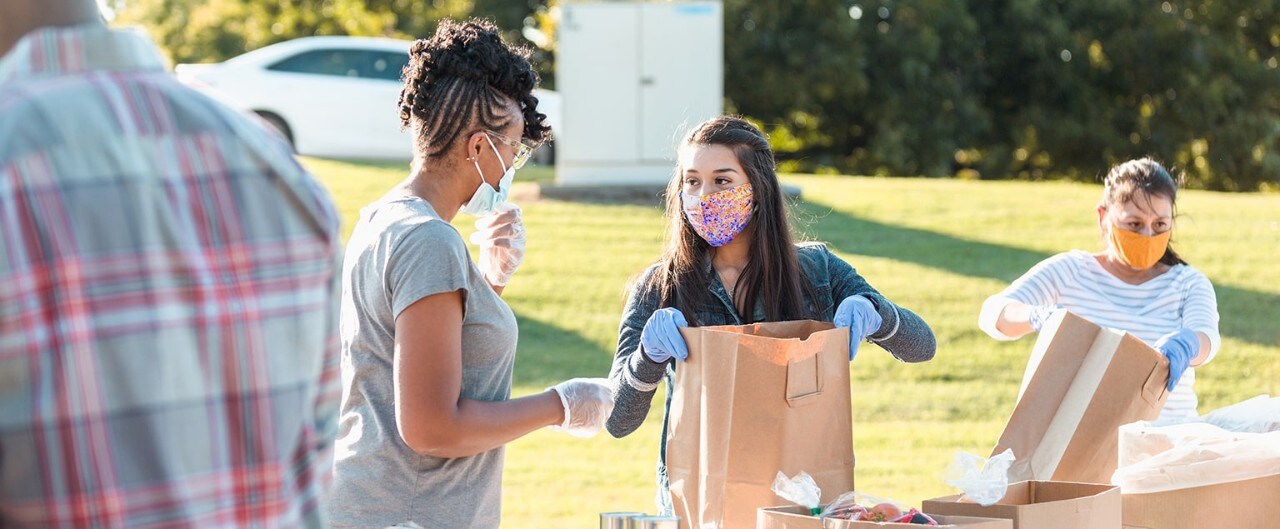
476 161
495 153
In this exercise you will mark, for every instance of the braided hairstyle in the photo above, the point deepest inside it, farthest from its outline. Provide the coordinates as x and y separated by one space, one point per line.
464 76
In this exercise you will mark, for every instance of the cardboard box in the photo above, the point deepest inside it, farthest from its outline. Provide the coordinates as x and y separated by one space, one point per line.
1081 384
1043 505
1246 504
796 517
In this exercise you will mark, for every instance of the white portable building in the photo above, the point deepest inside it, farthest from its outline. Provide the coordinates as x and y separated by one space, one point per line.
633 78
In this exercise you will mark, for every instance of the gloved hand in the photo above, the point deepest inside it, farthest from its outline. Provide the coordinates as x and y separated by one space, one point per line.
661 338
587 404
1179 347
858 314
1040 314
501 240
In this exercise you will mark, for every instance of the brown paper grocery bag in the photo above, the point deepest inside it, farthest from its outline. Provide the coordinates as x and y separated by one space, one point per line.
749 402
1081 384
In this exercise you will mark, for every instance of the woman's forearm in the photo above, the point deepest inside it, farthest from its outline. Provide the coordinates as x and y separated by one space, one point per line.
1206 349
903 333
1015 320
636 379
1005 319
476 426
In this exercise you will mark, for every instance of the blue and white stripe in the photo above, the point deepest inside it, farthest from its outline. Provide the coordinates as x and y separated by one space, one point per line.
1180 298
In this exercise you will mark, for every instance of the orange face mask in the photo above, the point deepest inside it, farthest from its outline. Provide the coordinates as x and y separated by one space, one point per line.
1138 250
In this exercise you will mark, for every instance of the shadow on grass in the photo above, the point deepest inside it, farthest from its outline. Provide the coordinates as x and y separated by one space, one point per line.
1246 314
548 354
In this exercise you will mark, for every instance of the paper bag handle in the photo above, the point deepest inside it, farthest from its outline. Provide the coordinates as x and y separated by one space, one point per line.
1156 384
804 380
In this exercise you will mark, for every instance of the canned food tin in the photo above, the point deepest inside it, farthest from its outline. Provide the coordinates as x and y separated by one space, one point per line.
656 522
618 520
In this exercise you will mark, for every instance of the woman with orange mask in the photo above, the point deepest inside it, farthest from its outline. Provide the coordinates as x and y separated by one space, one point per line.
1137 284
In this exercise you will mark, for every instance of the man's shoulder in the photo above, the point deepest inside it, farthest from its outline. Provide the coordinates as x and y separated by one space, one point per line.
110 106
150 102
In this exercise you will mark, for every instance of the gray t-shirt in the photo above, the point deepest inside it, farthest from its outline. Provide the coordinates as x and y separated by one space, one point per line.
401 252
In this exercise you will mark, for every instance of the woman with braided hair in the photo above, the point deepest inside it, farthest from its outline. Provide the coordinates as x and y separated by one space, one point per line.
427 342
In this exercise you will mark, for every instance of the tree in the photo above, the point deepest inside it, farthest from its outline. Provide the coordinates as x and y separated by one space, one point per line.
868 87
1012 88
216 30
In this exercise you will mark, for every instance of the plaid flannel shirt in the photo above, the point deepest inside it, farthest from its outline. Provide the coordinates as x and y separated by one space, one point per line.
168 300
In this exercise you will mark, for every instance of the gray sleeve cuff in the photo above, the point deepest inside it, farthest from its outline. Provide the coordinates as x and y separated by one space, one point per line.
903 333
639 378
641 372
890 318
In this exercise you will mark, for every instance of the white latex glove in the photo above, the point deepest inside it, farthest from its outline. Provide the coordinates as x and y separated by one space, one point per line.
500 237
587 404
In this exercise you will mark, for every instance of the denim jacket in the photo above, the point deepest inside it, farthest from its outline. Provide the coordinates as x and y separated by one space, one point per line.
902 333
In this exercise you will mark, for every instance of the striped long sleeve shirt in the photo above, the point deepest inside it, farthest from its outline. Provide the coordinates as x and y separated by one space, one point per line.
1180 298
168 300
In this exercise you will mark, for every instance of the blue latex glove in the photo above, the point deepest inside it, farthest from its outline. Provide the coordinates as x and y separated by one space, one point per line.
1179 347
859 315
661 338
1040 314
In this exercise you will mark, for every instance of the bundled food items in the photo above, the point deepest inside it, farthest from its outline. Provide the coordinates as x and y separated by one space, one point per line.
850 506
857 507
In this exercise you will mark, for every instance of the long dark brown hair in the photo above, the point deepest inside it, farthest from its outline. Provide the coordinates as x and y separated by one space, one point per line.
1124 181
772 274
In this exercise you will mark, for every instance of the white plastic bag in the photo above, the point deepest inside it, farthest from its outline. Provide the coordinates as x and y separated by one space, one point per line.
983 481
1143 440
801 490
1238 442
1210 457
1260 414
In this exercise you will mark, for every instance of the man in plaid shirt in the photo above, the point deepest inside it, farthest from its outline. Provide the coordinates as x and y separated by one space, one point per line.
168 294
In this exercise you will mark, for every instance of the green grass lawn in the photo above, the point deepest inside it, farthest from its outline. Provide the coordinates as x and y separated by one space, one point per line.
939 247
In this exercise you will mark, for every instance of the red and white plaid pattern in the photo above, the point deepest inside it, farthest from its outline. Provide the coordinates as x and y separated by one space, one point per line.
168 300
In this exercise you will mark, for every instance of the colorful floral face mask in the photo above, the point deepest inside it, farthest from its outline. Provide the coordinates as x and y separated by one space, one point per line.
721 216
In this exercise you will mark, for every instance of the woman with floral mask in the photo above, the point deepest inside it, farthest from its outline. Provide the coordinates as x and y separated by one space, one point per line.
729 260
427 343
1137 284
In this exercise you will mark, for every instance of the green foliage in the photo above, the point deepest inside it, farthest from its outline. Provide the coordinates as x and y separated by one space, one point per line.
857 94
216 30
1013 88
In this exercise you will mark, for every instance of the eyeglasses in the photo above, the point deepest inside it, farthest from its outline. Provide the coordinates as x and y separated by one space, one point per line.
523 150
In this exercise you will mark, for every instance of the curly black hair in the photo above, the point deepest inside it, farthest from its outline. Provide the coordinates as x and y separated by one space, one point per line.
464 75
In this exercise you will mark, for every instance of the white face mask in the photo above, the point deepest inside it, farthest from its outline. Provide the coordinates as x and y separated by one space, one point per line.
485 200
